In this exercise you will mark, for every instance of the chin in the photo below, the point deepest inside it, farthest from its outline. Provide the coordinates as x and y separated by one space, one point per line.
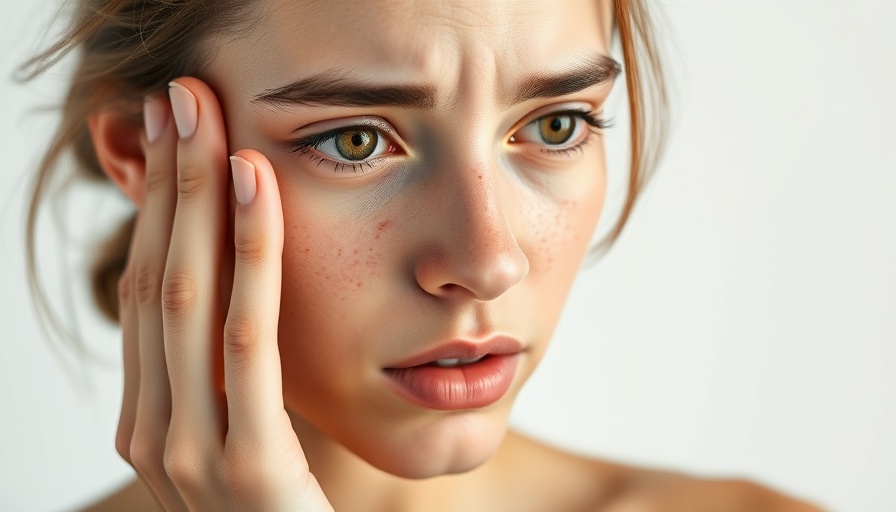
455 444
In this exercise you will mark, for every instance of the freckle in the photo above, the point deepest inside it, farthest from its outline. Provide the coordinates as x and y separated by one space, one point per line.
360 284
307 250
384 225
356 251
339 253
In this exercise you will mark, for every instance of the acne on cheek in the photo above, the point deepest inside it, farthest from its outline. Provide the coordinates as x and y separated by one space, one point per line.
343 267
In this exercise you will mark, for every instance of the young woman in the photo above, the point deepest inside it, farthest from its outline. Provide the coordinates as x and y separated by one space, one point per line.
356 226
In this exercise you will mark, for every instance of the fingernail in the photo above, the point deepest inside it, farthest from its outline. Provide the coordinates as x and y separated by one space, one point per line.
186 110
155 116
243 179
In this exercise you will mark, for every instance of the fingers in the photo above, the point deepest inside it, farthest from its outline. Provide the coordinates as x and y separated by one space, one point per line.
251 356
127 315
151 248
185 393
189 297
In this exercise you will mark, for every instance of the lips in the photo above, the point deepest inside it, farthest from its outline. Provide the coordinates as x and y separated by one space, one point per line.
433 379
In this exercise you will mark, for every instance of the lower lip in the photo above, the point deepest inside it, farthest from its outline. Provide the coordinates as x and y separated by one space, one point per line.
468 386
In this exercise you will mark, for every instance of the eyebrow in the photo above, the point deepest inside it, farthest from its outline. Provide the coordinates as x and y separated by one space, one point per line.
589 72
333 88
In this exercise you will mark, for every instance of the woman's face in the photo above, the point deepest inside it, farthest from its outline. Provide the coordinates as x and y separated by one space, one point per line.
452 206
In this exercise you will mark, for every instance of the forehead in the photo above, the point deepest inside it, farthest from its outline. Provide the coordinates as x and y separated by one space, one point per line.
433 41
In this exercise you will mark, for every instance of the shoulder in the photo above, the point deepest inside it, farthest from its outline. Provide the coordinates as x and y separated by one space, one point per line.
662 491
133 497
605 486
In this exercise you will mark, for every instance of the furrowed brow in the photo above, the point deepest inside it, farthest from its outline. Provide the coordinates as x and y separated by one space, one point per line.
590 72
329 89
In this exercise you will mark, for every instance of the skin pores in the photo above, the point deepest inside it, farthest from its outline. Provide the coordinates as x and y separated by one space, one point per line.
464 227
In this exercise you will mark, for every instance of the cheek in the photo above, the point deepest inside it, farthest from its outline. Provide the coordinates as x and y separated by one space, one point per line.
328 265
559 232
560 229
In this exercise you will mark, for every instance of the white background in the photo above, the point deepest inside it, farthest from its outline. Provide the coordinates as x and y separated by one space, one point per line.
745 324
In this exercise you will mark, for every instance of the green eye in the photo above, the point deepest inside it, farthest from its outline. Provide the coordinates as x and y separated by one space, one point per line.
356 144
556 129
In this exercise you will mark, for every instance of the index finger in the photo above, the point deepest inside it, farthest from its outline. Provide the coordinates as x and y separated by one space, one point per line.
252 372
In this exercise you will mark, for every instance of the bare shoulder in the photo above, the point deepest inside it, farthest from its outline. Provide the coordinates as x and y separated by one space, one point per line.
662 491
133 497
595 485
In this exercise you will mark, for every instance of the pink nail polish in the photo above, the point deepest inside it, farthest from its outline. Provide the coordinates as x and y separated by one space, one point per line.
155 116
243 179
186 109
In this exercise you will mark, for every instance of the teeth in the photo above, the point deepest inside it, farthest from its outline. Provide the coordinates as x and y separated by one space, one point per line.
448 363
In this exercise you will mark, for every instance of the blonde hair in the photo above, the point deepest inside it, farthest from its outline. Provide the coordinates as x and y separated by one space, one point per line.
131 48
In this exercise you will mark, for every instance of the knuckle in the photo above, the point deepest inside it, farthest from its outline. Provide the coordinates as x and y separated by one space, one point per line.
145 454
243 477
123 446
149 280
181 466
191 181
180 291
125 287
240 336
250 249
156 179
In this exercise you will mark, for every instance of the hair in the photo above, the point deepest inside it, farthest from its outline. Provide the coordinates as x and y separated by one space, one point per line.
129 49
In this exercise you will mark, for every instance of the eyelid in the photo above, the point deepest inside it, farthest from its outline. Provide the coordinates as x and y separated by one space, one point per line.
345 123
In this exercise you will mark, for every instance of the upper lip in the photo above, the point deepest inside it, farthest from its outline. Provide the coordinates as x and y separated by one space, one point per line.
499 344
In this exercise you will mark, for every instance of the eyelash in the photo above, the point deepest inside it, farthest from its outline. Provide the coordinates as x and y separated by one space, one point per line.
304 145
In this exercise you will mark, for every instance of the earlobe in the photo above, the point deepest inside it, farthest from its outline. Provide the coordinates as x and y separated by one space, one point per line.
118 142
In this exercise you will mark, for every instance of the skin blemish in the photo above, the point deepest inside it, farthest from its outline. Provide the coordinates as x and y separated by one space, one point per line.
381 228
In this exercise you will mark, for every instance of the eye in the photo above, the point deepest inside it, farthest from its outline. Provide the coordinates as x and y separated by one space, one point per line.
561 132
351 145
559 129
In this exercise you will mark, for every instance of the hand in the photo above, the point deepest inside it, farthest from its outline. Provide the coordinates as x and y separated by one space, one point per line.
203 421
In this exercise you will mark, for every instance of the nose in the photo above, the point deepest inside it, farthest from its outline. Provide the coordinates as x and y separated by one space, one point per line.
475 253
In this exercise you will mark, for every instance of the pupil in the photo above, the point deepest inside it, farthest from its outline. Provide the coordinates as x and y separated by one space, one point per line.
356 144
556 124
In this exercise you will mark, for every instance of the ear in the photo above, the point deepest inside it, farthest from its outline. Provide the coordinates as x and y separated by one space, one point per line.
118 143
